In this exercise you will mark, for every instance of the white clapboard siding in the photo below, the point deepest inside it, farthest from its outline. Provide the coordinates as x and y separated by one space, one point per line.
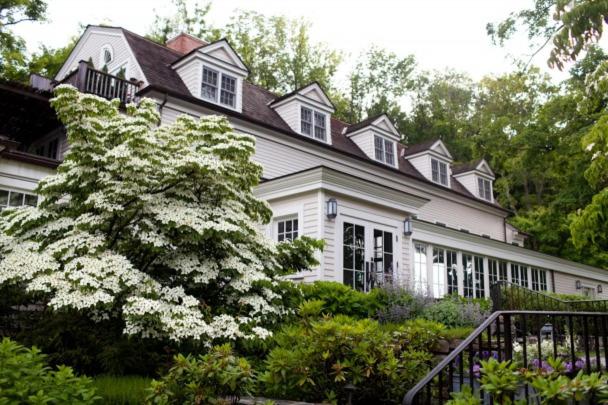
191 74
566 284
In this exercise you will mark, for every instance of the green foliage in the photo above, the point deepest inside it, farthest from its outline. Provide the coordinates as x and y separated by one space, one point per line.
457 333
316 361
24 378
192 21
298 255
338 298
127 390
457 312
207 379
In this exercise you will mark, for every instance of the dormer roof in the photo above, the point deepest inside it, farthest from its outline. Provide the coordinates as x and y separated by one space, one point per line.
380 122
312 92
220 50
480 166
434 145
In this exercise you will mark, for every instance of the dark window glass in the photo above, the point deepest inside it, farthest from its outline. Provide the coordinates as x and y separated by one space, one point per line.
320 131
209 88
31 200
306 120
452 269
16 199
228 93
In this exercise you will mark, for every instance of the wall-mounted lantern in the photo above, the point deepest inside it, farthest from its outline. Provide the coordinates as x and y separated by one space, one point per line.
578 284
332 208
599 288
407 226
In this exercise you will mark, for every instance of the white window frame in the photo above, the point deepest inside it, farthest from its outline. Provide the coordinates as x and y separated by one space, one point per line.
218 86
440 165
484 188
11 191
284 220
102 53
316 117
387 148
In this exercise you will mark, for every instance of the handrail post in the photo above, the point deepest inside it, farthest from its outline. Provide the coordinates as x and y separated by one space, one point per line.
81 76
508 338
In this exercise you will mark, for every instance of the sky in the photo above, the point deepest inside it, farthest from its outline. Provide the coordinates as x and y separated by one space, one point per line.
439 33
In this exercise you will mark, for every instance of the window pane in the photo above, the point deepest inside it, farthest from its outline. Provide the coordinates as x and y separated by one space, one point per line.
3 198
480 290
420 283
439 273
209 87
443 173
348 278
452 271
388 150
467 263
379 148
306 120
320 126
435 169
31 200
16 199
480 186
228 93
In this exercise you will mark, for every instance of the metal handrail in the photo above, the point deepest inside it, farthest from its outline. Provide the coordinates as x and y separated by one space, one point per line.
509 319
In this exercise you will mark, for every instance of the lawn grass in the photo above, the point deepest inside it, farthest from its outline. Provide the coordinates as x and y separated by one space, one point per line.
123 390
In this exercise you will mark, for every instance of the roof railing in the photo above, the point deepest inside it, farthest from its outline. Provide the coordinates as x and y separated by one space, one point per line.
102 84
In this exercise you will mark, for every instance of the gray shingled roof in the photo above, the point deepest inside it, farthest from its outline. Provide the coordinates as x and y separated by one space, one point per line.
465 167
155 61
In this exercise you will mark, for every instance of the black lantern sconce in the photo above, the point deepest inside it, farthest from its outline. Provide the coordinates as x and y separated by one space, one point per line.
332 208
407 226
599 289
578 284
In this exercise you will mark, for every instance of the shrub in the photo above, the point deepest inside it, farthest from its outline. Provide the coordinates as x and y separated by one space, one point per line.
127 390
455 312
25 378
318 361
398 304
208 379
458 333
340 299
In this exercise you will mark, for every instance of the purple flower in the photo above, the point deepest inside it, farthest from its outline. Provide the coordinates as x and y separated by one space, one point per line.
580 363
495 354
485 354
476 370
568 367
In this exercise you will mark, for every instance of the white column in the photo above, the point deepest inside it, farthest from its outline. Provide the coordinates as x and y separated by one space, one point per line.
460 272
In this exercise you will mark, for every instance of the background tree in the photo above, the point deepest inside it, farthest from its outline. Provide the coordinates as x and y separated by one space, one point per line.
569 25
156 225
191 21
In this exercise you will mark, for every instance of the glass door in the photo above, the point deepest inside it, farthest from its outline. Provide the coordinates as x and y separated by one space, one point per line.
353 255
381 269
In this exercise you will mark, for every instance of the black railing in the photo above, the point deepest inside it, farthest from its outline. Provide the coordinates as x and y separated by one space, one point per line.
528 338
507 296
89 80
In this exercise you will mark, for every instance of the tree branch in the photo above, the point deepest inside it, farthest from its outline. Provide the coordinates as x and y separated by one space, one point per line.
543 45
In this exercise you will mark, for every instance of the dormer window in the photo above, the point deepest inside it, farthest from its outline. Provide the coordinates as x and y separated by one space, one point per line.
439 172
383 149
313 121
228 93
484 188
209 90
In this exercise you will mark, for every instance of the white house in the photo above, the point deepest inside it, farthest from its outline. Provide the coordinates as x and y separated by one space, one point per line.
387 212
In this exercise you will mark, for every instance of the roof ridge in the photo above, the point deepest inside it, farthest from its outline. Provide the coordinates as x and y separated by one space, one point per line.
177 53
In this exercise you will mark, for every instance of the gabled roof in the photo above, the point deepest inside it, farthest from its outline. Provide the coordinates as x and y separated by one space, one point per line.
380 121
479 165
220 43
436 145
311 87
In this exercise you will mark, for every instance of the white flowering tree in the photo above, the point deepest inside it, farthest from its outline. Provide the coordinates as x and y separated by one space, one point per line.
155 224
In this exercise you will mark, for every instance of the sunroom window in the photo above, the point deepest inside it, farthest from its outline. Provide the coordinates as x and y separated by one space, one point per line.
10 198
485 188
439 171
384 150
287 229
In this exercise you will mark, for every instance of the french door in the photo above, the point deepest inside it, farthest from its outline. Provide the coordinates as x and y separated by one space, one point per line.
368 255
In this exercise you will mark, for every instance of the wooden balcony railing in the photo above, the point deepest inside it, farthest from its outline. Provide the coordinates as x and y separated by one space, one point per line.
89 80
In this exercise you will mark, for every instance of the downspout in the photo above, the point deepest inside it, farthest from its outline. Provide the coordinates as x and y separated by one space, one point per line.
160 107
504 224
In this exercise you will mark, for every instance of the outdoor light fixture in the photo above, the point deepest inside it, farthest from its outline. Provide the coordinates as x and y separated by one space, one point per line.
407 226
599 288
578 284
332 208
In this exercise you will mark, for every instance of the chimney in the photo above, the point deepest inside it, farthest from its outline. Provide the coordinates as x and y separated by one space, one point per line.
184 43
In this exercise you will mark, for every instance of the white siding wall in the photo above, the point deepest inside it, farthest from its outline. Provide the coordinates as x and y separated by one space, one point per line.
469 181
566 284
290 112
191 74
20 176
90 47
365 142
306 208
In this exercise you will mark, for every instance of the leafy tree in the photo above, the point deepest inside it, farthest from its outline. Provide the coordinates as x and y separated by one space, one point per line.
13 60
378 82
569 25
157 225
279 52
193 22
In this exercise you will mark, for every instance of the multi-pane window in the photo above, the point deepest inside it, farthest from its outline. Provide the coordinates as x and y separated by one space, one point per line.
53 148
498 271
439 172
313 123
539 280
353 255
485 188
306 121
320 130
287 229
420 283
519 274
16 199
218 84
383 258
467 265
384 150
228 93
480 290
452 271
209 89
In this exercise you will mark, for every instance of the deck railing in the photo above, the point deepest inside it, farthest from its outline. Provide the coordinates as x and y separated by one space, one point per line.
507 296
89 80
526 337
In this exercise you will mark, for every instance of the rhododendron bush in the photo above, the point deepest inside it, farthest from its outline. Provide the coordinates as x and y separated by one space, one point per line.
155 224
